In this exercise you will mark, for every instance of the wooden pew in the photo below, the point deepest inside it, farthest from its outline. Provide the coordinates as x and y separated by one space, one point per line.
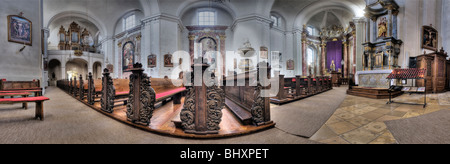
114 90
243 101
287 90
145 92
38 100
27 86
13 94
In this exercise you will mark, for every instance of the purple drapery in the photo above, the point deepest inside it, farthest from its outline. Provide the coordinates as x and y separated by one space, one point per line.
334 52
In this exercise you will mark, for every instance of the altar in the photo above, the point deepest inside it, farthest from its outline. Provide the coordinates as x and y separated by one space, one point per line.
373 84
373 79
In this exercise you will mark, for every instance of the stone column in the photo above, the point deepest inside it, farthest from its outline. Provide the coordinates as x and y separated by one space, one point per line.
304 64
359 41
323 67
345 71
223 52
191 47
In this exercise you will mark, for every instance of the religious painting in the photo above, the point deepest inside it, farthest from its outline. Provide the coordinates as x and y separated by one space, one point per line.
290 65
128 57
151 61
264 53
110 67
168 60
208 45
429 38
382 27
19 30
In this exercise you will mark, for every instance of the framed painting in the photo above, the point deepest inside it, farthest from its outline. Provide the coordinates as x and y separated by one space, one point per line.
264 52
19 30
128 58
290 65
110 67
168 60
429 38
151 61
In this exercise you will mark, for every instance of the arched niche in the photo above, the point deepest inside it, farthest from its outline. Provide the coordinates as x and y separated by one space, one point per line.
54 71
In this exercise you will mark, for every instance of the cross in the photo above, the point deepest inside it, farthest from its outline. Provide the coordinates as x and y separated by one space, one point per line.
21 14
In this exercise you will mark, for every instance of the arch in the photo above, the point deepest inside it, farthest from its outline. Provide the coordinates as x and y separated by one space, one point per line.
76 67
79 14
322 5
97 70
126 13
188 5
281 17
54 71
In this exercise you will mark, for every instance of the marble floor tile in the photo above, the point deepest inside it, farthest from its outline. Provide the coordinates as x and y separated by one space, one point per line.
345 115
359 136
334 140
341 127
375 127
323 133
387 118
358 121
372 115
385 138
334 119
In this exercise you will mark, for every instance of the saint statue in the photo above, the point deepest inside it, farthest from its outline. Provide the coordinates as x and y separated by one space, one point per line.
382 28
333 66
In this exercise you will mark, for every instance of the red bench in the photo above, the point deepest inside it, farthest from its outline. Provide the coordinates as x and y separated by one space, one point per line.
38 100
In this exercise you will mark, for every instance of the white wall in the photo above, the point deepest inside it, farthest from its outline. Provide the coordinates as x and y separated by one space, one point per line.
445 24
25 65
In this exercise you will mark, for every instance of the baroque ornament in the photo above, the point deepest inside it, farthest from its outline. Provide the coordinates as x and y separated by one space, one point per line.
187 114
107 99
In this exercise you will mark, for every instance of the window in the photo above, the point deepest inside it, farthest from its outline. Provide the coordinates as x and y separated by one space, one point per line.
129 22
207 18
311 30
276 22
310 52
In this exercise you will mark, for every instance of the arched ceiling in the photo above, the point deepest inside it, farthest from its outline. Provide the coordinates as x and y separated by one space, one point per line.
299 12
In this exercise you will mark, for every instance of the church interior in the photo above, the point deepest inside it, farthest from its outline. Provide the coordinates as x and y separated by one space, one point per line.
224 71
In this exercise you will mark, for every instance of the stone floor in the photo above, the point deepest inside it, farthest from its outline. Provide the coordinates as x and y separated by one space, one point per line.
361 120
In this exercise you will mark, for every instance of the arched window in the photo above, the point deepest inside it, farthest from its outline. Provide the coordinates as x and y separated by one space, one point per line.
276 21
310 54
129 21
311 30
207 18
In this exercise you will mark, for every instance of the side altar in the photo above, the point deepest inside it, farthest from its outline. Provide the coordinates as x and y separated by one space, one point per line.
381 51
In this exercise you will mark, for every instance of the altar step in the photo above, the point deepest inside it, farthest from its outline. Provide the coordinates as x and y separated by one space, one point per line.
374 93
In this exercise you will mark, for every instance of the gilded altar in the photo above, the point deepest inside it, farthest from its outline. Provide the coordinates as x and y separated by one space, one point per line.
382 49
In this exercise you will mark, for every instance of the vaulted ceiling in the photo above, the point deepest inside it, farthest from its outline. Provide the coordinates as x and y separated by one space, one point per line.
299 12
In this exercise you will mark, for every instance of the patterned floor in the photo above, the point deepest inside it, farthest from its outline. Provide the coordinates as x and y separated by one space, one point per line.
361 120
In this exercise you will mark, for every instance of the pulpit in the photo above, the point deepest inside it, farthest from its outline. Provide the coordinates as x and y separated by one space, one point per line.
336 78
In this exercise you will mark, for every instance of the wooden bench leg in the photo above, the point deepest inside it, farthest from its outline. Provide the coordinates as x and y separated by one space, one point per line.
177 98
25 105
40 110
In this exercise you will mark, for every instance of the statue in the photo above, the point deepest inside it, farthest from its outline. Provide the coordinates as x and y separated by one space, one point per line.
382 28
333 66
